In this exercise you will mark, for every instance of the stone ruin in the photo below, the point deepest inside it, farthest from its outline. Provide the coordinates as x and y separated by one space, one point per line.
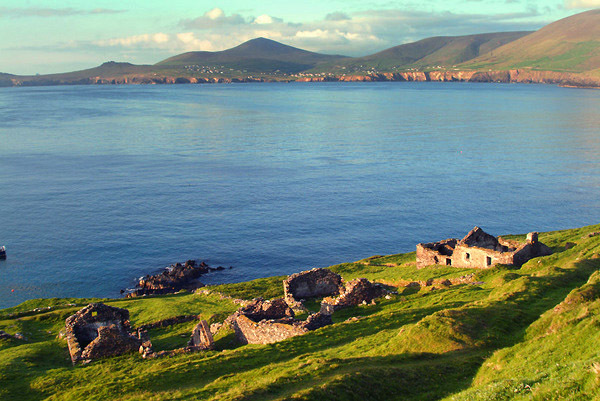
311 284
356 292
201 337
266 322
480 250
98 331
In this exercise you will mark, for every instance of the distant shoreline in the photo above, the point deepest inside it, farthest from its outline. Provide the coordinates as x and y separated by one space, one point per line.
563 79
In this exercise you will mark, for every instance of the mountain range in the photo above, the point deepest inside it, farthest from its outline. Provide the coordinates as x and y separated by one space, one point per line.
564 52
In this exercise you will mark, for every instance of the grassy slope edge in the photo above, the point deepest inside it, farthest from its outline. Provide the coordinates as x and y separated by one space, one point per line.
526 333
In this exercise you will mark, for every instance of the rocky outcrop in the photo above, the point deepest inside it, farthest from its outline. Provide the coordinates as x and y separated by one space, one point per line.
98 331
310 284
356 292
174 278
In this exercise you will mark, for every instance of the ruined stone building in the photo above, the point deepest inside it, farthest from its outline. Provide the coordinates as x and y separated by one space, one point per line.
98 331
480 250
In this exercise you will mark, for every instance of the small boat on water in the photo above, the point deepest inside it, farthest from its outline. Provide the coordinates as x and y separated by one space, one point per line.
2 252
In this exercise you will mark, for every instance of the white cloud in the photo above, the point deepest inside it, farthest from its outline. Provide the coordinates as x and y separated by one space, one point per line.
215 13
266 19
582 4
214 18
145 39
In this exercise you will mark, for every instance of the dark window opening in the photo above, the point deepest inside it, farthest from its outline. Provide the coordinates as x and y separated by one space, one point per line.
489 260
448 262
435 259
467 256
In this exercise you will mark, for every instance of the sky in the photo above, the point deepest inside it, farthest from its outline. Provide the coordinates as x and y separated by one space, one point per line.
48 36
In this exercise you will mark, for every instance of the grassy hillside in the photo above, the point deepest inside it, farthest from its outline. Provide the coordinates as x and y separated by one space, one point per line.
441 51
257 55
571 44
513 333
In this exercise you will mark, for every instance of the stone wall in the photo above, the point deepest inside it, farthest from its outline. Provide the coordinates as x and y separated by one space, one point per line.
266 331
265 322
312 283
356 292
475 257
201 336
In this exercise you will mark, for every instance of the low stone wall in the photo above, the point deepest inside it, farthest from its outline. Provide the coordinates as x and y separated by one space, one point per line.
248 331
169 322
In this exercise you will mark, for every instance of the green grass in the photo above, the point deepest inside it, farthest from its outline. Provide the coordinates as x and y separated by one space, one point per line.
524 333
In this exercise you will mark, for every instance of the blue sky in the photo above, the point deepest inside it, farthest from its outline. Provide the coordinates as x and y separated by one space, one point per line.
46 36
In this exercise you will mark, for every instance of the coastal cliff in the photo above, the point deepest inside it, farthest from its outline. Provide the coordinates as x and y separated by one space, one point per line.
510 76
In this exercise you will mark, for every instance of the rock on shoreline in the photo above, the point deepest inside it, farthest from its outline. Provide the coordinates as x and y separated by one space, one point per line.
173 279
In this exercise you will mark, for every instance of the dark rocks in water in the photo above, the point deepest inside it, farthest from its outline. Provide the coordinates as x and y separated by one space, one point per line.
173 279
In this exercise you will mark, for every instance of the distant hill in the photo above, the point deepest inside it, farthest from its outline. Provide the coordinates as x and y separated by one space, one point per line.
571 44
108 69
431 52
566 52
257 55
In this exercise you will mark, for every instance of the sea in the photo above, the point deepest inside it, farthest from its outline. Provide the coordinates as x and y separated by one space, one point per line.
100 185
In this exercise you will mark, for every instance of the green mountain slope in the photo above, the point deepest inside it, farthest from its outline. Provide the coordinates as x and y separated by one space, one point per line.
571 44
257 55
444 51
508 333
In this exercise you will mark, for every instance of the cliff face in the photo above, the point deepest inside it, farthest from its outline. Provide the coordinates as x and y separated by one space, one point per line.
509 76
124 80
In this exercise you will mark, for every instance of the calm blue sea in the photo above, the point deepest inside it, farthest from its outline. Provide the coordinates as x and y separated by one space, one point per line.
102 184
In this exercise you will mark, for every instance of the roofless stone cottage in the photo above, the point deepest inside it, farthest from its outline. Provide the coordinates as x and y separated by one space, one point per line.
480 250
